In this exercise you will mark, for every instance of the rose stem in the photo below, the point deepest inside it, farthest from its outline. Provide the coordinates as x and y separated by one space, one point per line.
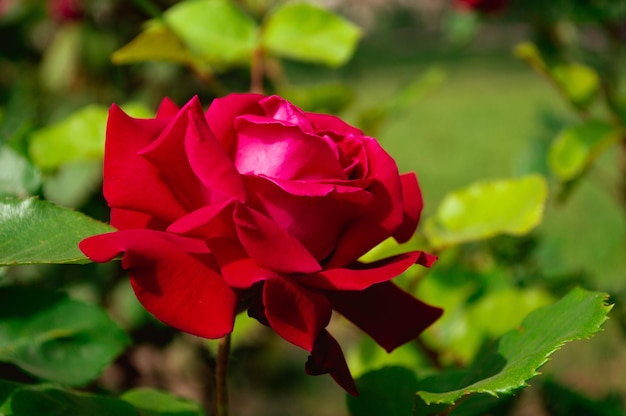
257 71
221 370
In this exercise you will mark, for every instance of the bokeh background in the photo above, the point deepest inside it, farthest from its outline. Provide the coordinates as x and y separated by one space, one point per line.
442 89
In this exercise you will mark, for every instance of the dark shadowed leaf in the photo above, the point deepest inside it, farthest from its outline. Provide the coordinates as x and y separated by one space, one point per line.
388 391
152 402
48 400
56 338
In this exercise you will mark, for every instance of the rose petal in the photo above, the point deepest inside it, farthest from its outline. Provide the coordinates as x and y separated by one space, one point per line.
209 160
211 221
222 112
237 268
280 109
361 276
295 313
389 315
327 357
325 123
271 246
413 204
175 278
167 108
314 221
167 153
383 217
268 147
124 219
130 181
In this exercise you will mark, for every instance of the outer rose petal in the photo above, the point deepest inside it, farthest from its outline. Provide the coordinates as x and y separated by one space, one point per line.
222 112
389 315
295 313
175 278
413 204
124 220
167 108
210 162
327 357
168 155
361 276
130 181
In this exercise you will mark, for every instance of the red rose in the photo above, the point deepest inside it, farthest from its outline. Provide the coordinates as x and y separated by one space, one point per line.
483 6
255 204
65 10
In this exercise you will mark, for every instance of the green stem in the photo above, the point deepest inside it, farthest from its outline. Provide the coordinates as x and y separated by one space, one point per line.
257 71
221 376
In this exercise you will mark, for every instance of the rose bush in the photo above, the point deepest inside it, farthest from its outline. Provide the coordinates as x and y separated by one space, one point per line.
256 205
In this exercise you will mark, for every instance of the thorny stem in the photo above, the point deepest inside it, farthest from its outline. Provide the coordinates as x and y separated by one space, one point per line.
221 375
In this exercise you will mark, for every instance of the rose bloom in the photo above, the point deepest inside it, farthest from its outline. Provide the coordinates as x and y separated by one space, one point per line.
256 205
483 6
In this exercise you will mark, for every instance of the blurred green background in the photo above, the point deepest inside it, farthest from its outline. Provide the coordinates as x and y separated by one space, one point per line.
443 92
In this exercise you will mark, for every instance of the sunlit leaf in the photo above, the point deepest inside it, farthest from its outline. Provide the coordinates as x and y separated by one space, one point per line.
320 98
17 176
215 30
579 82
465 325
21 400
307 32
80 136
152 402
486 209
34 231
156 43
56 338
576 147
518 354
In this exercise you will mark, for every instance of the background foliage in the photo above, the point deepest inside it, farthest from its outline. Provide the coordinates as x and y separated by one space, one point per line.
513 118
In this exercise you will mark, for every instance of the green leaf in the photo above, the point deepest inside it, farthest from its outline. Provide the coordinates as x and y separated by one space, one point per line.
152 402
330 97
17 176
486 209
306 32
518 354
156 43
561 401
43 399
579 83
56 338
37 232
217 31
576 147
388 391
466 325
80 136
